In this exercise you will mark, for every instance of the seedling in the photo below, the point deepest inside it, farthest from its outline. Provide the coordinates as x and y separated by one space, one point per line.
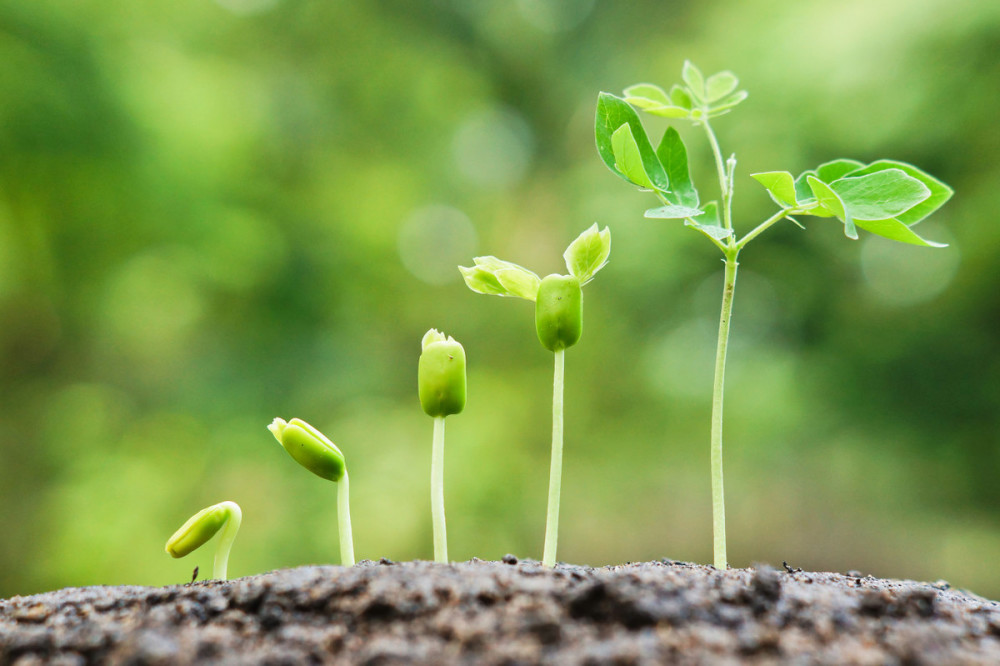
201 527
885 198
558 323
319 455
441 385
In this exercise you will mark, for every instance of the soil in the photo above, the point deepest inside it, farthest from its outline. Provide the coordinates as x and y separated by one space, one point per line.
508 612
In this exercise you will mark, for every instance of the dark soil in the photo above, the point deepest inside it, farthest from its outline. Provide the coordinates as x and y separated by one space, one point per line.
508 612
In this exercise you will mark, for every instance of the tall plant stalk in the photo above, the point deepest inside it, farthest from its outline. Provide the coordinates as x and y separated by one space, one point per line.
732 250
718 492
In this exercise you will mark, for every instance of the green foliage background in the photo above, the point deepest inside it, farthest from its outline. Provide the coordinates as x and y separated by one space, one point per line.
215 213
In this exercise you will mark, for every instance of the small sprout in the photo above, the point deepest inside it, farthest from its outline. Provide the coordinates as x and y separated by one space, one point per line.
201 527
558 312
441 375
441 386
314 451
885 198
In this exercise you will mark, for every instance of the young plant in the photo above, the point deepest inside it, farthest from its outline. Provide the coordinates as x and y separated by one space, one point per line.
885 198
558 322
319 455
201 527
441 385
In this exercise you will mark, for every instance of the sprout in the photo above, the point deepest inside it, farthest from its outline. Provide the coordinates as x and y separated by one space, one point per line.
558 322
886 198
201 527
319 455
559 312
441 385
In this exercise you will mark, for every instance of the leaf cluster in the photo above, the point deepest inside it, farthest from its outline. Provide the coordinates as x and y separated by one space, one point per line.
584 257
885 197
624 146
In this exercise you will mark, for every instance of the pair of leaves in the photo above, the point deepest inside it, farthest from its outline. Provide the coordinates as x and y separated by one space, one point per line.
699 98
885 197
627 151
497 277
584 257
631 156
624 147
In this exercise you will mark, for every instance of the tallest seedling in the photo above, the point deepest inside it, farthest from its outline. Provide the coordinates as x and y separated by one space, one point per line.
885 198
558 322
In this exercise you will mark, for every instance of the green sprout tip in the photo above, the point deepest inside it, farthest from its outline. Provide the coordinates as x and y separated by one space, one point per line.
558 303
314 451
441 383
201 527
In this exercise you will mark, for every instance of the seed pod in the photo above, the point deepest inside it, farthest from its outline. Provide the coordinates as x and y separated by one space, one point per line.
559 312
199 528
441 375
310 448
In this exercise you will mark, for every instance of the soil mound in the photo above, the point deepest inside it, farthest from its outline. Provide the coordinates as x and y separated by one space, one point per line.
508 612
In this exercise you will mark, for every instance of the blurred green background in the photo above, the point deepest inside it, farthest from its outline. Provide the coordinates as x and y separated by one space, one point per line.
213 213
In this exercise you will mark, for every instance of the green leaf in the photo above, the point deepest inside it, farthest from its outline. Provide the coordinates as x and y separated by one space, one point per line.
728 103
711 230
645 95
779 184
483 278
681 97
802 191
710 217
896 230
482 281
627 157
673 212
519 282
493 264
612 113
830 201
719 85
940 192
831 171
673 157
693 77
588 253
668 111
880 195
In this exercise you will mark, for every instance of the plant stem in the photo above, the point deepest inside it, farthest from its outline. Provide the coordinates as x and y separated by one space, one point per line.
718 494
344 521
555 468
765 225
226 538
720 167
437 493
